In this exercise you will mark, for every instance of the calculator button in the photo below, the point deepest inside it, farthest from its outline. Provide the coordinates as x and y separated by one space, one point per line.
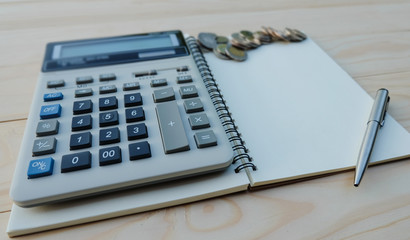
84 80
81 123
171 127
131 100
52 96
55 83
47 127
80 140
108 119
188 91
40 167
198 121
139 150
76 161
159 82
137 131
193 105
84 92
108 89
108 103
107 77
145 73
110 156
50 111
184 79
109 135
134 114
44 146
182 69
205 139
81 107
163 95
131 86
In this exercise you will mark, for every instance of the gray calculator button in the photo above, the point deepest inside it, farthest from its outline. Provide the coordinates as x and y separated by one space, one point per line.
55 83
48 127
159 82
198 121
107 77
205 139
184 79
172 130
131 86
44 146
188 91
163 95
84 80
108 89
193 105
83 92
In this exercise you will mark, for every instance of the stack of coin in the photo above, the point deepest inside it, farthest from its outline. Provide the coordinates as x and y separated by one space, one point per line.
236 48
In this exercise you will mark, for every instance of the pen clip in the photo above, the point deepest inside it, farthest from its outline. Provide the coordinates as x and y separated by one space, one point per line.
385 111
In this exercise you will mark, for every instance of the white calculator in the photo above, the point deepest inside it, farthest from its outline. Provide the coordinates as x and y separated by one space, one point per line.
115 113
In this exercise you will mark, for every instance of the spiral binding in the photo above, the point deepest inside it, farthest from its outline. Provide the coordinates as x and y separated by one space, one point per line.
234 137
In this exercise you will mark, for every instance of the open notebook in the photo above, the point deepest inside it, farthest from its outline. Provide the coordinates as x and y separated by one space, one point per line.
299 114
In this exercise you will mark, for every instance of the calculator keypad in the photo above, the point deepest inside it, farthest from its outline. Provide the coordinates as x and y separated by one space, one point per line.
150 118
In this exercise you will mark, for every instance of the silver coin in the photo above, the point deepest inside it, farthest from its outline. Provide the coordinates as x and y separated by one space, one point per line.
277 35
239 42
207 40
299 33
250 39
220 51
236 53
262 37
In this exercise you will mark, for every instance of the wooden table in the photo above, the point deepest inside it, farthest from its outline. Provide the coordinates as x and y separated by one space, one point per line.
369 39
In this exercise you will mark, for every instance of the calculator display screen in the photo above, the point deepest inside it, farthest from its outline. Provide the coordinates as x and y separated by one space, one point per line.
114 50
112 46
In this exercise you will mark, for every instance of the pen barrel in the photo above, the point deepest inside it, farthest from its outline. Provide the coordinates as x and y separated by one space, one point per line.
366 149
380 106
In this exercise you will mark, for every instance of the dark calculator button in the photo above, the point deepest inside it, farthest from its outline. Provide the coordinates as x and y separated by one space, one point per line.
47 127
107 77
108 119
81 107
139 150
108 103
108 89
134 114
110 156
80 140
182 69
184 79
84 80
83 92
44 146
131 100
55 83
109 135
81 123
74 162
131 86
137 131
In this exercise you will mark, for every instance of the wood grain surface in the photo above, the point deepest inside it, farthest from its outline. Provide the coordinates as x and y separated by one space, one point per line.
370 39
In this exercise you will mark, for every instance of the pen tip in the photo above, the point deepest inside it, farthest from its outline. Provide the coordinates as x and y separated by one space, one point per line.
356 184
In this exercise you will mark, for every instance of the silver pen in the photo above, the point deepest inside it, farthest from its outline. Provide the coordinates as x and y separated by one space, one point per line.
376 121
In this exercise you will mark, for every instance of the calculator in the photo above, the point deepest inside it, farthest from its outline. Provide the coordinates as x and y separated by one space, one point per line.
116 113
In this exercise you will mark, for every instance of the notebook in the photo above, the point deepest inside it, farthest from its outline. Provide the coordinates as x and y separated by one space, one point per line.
299 115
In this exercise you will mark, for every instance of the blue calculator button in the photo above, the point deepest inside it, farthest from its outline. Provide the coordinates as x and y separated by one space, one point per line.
50 111
40 167
52 96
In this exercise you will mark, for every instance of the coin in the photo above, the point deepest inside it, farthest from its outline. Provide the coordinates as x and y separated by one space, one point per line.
239 42
262 37
249 39
299 34
221 40
207 40
220 51
277 35
292 36
236 53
